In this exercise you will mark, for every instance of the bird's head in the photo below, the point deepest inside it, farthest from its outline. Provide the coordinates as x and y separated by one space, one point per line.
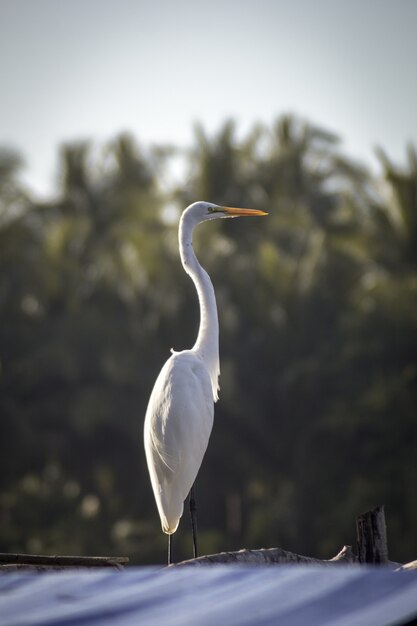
203 211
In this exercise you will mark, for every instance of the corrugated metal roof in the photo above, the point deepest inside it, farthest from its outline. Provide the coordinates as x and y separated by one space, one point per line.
211 596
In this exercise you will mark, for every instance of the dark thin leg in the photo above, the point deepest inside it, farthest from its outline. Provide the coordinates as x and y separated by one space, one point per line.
193 513
169 549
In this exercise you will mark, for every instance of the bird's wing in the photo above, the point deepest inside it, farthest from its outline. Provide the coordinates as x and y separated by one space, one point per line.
178 424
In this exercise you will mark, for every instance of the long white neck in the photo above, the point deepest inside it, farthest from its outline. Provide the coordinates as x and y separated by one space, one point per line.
207 344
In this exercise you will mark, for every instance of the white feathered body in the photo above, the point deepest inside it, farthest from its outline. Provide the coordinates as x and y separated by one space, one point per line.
179 417
177 429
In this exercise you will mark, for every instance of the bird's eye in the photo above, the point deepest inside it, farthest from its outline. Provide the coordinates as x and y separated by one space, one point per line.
210 209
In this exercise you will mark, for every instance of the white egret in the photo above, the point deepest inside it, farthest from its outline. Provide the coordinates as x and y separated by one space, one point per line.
179 417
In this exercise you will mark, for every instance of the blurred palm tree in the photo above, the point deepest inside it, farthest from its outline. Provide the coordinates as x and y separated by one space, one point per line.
317 316
399 214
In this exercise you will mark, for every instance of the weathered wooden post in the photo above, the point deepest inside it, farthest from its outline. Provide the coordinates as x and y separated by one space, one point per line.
372 536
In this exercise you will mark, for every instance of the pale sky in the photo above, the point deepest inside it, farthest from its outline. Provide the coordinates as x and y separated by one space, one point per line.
75 69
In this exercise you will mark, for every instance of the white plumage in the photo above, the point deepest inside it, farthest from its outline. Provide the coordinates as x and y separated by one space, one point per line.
178 424
179 417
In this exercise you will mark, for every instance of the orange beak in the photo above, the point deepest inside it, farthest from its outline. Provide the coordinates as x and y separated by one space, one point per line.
241 212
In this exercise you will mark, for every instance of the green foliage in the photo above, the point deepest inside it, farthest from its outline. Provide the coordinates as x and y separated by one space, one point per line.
317 306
